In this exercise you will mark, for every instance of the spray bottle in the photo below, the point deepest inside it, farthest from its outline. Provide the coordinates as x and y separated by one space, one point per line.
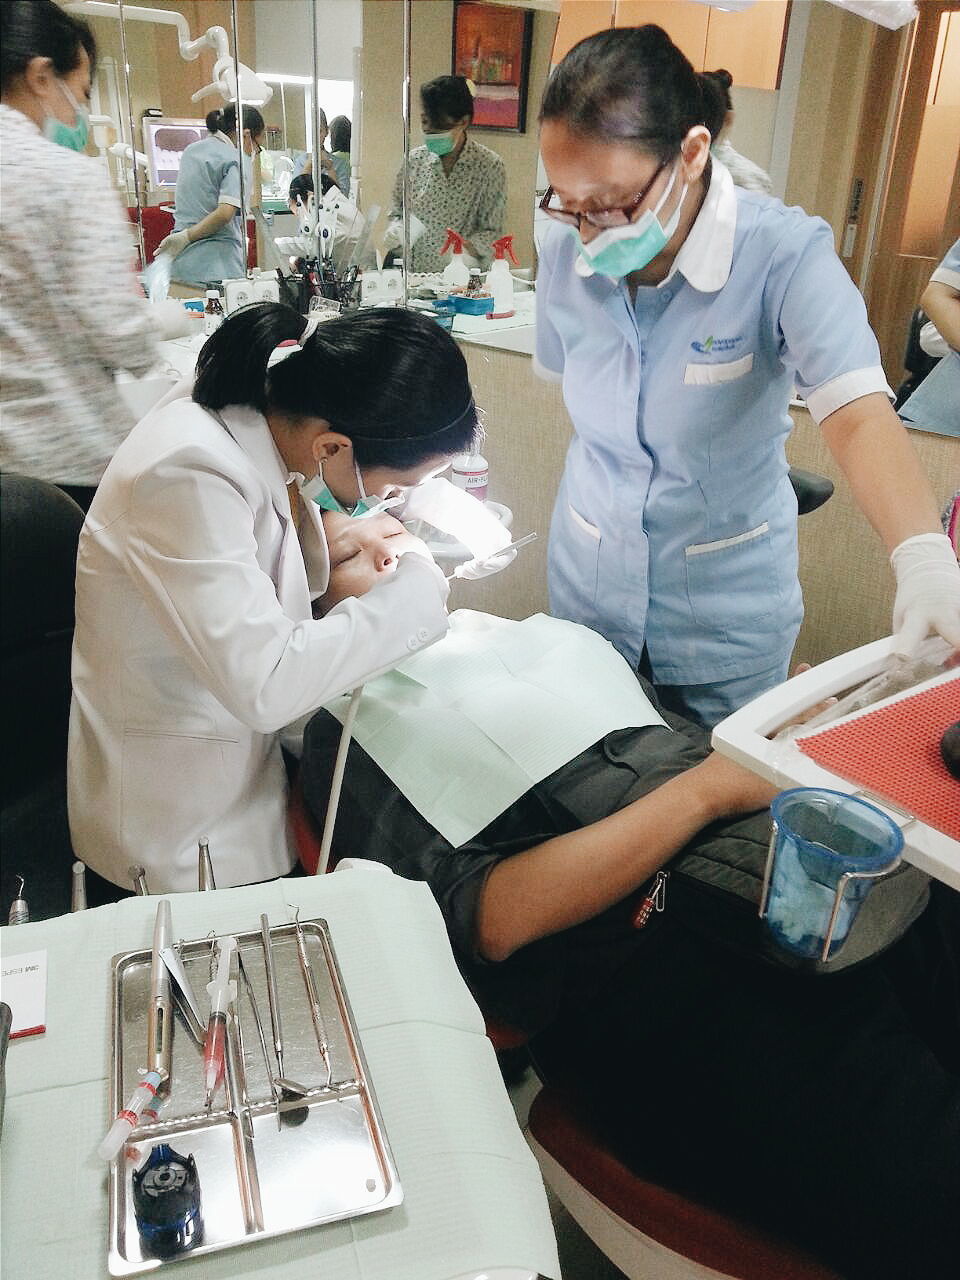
455 273
499 279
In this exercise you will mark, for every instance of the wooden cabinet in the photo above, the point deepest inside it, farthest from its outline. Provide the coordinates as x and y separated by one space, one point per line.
748 43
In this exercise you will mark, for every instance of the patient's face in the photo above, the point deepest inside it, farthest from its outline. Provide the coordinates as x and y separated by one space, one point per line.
361 552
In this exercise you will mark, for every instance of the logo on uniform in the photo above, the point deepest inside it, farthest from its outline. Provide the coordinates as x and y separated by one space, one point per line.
711 345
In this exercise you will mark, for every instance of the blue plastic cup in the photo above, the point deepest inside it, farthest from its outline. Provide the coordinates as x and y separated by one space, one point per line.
820 837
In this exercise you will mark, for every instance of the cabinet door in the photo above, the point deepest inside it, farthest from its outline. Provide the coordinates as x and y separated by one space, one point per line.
578 20
748 44
685 24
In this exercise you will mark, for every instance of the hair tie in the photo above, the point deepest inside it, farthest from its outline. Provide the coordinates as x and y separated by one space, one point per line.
289 345
309 330
471 86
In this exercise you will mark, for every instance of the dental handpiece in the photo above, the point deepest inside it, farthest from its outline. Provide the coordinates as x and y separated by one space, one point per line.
160 1010
141 1103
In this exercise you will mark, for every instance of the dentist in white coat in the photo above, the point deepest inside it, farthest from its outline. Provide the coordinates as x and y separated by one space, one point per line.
200 558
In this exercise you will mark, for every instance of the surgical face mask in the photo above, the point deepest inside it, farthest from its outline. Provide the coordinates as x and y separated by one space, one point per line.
73 137
441 144
617 251
316 490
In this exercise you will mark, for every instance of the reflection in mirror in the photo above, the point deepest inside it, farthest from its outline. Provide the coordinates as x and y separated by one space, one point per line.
492 46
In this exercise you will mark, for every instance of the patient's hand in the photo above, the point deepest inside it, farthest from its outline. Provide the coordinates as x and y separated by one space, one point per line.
726 789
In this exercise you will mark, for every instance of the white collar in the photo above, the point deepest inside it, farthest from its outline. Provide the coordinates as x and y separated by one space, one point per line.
223 137
706 256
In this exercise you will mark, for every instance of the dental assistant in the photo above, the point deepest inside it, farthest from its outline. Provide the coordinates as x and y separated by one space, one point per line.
679 312
208 240
196 641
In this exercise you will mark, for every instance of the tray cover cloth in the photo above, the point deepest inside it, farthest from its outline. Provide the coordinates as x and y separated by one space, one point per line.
473 1197
894 752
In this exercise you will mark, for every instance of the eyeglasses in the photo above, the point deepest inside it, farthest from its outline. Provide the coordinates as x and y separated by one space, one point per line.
599 218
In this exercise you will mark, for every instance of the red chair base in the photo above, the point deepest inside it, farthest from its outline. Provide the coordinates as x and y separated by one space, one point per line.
695 1233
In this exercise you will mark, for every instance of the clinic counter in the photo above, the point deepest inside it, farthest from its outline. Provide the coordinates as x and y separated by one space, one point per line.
473 1201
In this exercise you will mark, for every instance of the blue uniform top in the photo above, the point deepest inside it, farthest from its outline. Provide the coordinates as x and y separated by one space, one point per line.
675 524
935 405
210 176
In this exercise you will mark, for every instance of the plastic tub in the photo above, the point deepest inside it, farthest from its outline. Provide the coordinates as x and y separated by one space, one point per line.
470 306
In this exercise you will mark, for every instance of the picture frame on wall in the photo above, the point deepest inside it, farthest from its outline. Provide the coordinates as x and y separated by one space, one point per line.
491 47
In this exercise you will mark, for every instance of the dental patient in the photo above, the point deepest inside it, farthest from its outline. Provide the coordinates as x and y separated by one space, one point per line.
825 1107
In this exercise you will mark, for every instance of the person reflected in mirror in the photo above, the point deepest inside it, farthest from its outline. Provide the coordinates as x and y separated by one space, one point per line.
71 312
453 180
208 241
718 117
935 404
804 1103
329 176
681 313
340 139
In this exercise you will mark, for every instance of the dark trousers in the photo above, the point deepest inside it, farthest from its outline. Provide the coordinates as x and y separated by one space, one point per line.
827 1108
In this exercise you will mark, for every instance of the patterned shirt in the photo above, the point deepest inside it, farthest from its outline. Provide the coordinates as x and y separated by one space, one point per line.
69 311
471 199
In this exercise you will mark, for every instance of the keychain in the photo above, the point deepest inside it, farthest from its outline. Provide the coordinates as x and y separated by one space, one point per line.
654 901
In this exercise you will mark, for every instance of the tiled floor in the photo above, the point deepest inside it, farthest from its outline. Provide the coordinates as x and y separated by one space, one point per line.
580 1259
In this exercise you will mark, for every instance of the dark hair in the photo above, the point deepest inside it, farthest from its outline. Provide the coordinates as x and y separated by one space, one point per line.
629 85
715 87
446 99
340 133
41 29
390 379
224 120
302 186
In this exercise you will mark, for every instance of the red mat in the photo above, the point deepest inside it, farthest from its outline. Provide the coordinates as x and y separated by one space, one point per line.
895 753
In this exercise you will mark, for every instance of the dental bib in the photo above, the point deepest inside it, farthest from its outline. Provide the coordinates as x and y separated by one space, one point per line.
496 699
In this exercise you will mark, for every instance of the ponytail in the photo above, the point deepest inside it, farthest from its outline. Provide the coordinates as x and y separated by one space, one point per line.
715 92
213 120
232 365
224 120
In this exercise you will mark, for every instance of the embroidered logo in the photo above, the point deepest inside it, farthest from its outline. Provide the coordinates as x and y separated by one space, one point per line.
712 344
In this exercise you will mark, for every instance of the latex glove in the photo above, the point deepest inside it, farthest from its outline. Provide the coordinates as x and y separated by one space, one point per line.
173 244
472 570
415 555
928 591
174 320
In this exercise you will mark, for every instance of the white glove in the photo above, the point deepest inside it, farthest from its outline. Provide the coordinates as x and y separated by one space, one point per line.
173 320
928 591
173 244
472 570
412 557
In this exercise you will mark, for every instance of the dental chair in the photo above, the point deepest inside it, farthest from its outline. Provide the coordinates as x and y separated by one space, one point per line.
40 527
649 1231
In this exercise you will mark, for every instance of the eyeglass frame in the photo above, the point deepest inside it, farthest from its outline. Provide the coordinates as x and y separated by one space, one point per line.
571 218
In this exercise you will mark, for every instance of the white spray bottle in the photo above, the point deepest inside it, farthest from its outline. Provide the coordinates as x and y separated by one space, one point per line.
499 279
455 273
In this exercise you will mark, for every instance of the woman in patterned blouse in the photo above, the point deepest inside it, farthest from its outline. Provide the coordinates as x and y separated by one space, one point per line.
454 181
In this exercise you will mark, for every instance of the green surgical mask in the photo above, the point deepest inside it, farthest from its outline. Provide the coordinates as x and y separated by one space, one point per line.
441 144
316 490
74 137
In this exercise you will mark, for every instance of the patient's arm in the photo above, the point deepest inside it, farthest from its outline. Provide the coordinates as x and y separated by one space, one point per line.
941 302
545 890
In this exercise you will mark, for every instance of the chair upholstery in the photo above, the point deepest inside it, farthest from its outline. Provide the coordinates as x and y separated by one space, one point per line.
39 528
649 1231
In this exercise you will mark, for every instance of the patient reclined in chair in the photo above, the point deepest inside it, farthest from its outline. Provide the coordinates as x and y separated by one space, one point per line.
827 1107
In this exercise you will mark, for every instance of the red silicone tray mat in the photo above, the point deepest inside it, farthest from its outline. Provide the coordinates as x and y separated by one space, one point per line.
894 752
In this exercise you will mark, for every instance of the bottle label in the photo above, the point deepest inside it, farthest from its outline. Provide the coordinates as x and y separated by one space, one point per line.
474 482
211 323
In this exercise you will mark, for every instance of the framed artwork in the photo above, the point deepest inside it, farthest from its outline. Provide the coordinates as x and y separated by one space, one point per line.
491 47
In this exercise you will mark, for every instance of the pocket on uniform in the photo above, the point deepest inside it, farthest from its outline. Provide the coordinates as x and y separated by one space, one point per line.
734 582
575 565
168 784
699 374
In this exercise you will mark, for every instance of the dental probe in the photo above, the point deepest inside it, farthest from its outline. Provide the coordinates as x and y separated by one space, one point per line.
160 1009
272 995
313 997
460 570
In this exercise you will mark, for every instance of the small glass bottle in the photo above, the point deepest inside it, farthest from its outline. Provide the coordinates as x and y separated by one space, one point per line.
212 312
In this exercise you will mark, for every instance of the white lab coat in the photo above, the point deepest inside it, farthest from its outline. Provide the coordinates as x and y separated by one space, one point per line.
195 646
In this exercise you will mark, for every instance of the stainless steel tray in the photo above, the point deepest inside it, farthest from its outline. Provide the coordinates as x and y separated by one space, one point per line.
328 1158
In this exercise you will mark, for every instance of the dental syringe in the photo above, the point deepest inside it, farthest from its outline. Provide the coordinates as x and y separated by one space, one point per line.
223 992
469 567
